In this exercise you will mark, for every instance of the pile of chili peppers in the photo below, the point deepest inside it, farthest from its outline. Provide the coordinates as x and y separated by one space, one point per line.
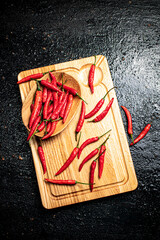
52 103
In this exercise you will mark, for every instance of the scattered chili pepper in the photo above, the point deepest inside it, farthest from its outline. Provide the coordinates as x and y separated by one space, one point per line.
104 113
34 126
71 90
68 107
92 170
91 76
129 118
101 158
50 86
89 141
42 158
64 182
142 134
98 106
52 129
37 106
31 77
70 159
81 119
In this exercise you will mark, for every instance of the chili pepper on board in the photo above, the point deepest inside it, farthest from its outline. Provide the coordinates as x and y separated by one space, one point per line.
64 106
34 126
51 130
89 141
81 119
70 159
98 105
50 86
31 77
92 154
142 134
91 178
101 158
91 76
68 107
37 106
42 158
71 90
104 113
64 182
53 79
129 118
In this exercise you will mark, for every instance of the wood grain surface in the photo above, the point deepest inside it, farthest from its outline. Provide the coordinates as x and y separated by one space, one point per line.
118 175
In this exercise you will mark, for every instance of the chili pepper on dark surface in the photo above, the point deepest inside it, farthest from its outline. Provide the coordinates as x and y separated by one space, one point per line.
129 118
50 86
104 113
71 90
101 158
68 107
98 105
31 77
34 126
92 154
64 182
91 76
42 158
142 134
37 106
70 159
81 119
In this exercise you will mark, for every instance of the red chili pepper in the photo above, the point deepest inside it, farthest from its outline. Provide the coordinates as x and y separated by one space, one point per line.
81 119
31 77
129 118
32 106
101 158
91 76
64 106
37 106
104 113
50 86
64 182
50 108
71 90
92 154
68 107
42 158
34 126
43 124
55 100
44 94
46 104
70 159
89 141
59 108
52 129
53 79
98 106
92 170
48 126
142 134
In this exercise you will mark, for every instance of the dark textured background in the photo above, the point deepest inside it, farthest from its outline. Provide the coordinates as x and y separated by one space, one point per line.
49 32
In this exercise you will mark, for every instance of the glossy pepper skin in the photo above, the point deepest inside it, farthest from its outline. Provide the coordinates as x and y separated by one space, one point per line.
101 160
68 107
51 130
50 86
129 119
64 182
30 77
88 157
91 76
142 134
91 178
81 119
42 158
33 128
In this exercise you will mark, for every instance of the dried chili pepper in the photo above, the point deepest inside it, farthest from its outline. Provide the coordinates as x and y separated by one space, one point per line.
129 118
81 119
68 107
104 113
91 76
70 159
34 126
31 77
101 158
37 106
98 105
142 134
50 86
89 141
42 158
64 182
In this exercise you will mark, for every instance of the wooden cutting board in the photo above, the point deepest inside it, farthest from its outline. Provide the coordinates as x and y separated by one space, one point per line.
118 174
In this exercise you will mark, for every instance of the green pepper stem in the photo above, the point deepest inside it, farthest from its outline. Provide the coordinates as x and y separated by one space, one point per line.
78 139
38 86
108 92
104 134
132 138
99 156
104 141
84 183
95 60
81 98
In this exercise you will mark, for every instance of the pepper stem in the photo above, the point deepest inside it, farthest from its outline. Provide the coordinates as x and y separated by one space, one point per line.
108 92
78 139
104 141
104 134
50 120
132 138
84 183
99 155
38 86
81 98
62 83
95 60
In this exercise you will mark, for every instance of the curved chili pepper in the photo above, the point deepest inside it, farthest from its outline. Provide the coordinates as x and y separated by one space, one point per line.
129 118
34 126
59 108
48 126
50 86
70 159
46 104
92 170
31 77
71 90
37 106
52 129
68 107
64 182
101 158
89 141
98 105
42 158
81 119
44 94
32 106
64 106
91 76
142 134
53 79
50 108
43 124
104 113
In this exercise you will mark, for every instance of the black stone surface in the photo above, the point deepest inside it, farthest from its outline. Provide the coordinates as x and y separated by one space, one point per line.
35 34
